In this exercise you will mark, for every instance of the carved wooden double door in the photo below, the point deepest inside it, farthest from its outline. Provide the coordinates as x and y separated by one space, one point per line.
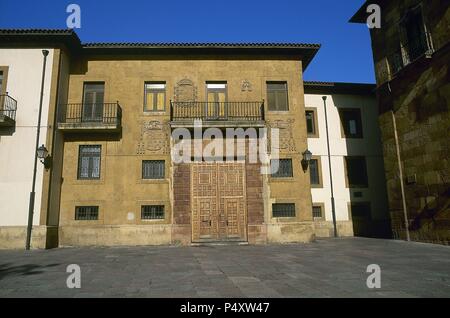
218 202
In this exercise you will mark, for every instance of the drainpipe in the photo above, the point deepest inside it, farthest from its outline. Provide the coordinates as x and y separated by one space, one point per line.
333 209
400 172
33 187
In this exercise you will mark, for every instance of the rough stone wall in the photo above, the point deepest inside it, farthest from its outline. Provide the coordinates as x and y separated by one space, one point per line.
420 96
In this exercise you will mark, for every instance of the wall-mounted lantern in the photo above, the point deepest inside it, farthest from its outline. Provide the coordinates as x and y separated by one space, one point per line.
307 155
42 154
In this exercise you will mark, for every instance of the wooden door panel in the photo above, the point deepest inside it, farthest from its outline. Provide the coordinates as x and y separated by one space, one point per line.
218 201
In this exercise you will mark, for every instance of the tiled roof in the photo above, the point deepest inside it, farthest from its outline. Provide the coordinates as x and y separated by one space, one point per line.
68 37
203 45
315 87
37 31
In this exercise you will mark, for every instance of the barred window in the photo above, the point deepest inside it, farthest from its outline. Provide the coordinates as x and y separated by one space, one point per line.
153 169
284 168
317 211
86 213
152 212
281 210
89 162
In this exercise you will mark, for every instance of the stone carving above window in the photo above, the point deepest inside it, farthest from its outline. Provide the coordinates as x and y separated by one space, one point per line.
246 86
185 91
154 138
286 136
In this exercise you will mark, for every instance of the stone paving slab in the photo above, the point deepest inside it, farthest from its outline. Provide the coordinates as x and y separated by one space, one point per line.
325 268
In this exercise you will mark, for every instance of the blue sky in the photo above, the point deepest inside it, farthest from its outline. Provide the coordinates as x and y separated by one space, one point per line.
345 55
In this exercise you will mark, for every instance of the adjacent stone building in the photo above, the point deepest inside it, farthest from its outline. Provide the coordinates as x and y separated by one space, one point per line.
411 55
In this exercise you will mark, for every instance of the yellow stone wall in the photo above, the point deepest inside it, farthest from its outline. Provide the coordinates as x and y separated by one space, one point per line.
120 190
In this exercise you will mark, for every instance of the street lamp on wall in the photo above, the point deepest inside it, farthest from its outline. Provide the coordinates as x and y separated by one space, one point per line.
42 154
307 155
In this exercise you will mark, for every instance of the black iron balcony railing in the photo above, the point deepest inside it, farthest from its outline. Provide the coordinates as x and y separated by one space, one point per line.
92 113
406 54
8 107
217 111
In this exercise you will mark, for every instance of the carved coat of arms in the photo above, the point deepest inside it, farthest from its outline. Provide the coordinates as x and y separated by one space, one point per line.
154 138
286 136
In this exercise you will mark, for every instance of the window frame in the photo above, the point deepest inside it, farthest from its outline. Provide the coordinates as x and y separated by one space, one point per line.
320 205
286 89
77 218
278 175
315 134
153 161
153 211
319 172
79 177
347 181
361 203
5 70
358 135
157 90
284 204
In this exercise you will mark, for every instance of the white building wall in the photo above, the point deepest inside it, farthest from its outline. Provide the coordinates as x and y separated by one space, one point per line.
17 150
368 146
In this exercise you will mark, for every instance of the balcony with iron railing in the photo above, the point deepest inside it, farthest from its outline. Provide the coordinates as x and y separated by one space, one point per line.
217 114
8 109
406 54
90 117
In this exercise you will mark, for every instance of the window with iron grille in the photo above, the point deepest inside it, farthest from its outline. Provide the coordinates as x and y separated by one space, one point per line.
86 213
314 172
284 168
317 211
277 95
152 212
153 169
89 162
283 210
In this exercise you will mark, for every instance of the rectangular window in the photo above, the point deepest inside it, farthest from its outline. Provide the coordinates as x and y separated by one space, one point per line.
152 212
314 172
93 102
356 172
86 213
311 122
351 122
89 162
155 97
284 168
217 97
283 210
3 79
317 211
414 34
360 210
277 95
153 169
